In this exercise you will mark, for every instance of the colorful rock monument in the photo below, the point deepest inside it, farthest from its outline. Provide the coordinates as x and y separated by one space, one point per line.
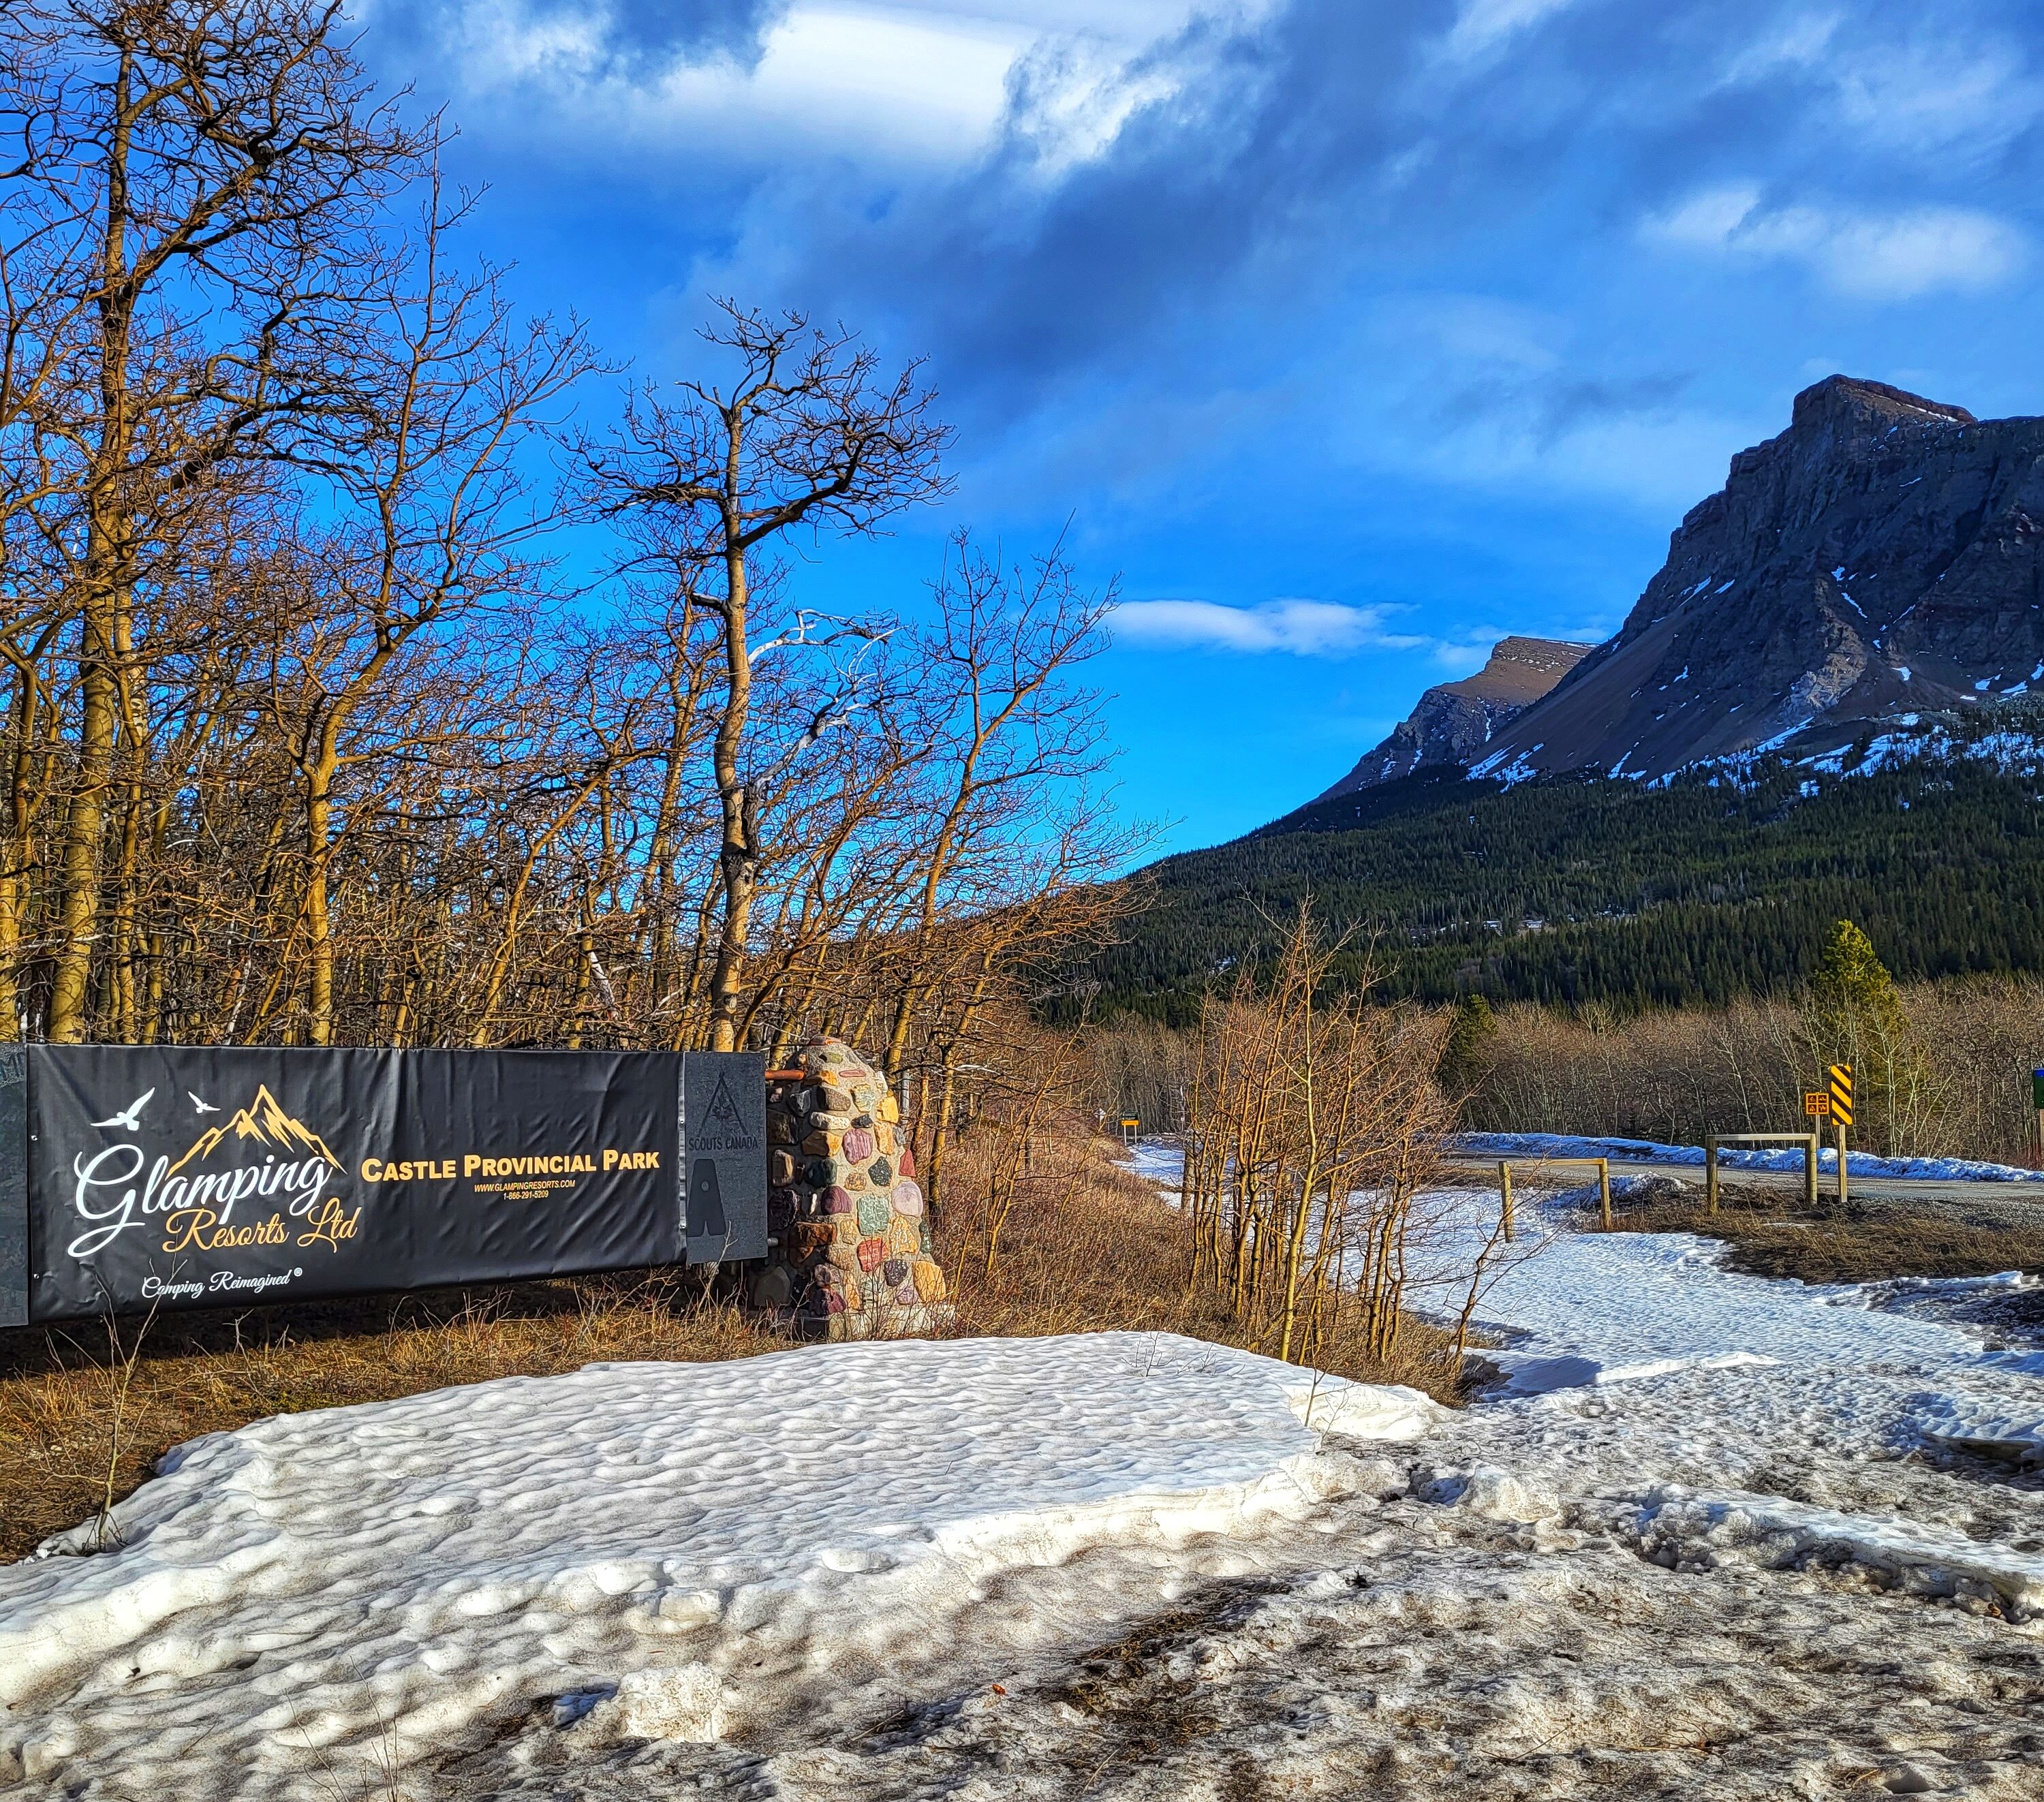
851 1254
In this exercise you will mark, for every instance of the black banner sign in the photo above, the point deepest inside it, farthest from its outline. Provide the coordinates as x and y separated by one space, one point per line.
193 1176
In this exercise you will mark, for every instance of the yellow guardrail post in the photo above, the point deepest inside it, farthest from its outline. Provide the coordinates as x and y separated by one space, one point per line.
1841 1090
1504 1189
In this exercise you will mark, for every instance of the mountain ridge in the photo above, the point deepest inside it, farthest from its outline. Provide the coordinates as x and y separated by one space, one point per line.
1579 888
1454 722
1828 703
1885 551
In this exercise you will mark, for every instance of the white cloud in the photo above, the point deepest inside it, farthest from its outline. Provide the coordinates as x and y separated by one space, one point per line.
1305 629
1797 43
1072 96
850 72
1131 20
1932 90
875 82
1895 255
1481 25
1912 253
1706 220
1477 393
1927 95
1475 331
1658 461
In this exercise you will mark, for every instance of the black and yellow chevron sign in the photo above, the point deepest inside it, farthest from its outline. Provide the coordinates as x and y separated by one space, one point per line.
1842 1101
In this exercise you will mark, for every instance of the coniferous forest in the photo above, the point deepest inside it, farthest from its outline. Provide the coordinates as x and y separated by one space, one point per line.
1572 891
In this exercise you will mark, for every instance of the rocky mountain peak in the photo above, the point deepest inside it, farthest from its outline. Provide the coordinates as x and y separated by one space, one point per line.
1885 551
1838 398
1454 721
1532 664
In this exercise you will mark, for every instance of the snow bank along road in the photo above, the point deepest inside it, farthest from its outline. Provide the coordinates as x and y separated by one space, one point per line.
1712 1537
1861 1166
1991 1193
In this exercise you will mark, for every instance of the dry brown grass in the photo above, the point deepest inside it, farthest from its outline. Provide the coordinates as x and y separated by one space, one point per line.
1774 1233
1098 1253
205 1373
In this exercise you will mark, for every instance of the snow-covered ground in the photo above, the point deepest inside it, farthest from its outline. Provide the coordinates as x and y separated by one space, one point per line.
1160 1160
1782 1157
679 1551
1637 1345
1711 1536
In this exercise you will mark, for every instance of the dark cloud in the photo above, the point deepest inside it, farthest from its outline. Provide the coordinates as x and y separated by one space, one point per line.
1336 148
657 32
1547 408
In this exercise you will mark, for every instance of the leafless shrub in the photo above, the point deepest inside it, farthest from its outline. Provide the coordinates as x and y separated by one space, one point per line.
1676 1075
1311 1126
1090 1246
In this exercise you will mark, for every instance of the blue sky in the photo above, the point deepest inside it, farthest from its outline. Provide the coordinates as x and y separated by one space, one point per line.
1348 334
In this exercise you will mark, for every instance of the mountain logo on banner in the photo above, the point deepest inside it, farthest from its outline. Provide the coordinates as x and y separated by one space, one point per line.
264 1122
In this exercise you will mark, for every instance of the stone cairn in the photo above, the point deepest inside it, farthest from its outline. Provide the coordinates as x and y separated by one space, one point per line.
851 1254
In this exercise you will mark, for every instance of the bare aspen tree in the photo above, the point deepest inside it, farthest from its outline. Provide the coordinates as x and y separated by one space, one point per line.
441 390
300 748
1007 726
1314 1120
808 433
206 168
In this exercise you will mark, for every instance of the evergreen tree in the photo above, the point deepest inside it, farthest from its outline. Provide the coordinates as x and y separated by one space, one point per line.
1466 1050
1856 1018
1853 992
